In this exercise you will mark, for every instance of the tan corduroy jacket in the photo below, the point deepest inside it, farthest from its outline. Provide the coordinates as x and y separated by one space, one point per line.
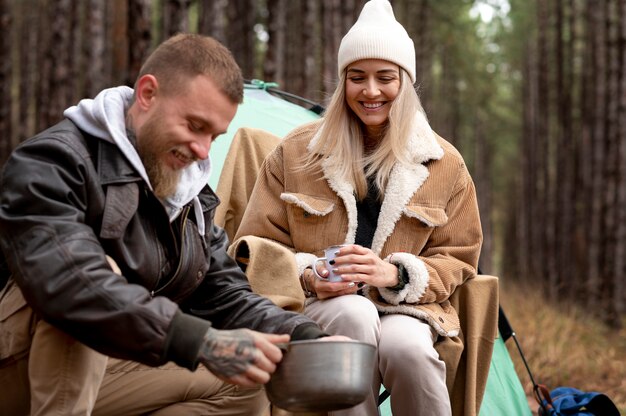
429 219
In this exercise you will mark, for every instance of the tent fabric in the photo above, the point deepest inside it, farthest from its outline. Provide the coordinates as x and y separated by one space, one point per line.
261 110
504 394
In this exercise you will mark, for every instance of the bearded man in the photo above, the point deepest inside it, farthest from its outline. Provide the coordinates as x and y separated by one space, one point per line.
114 281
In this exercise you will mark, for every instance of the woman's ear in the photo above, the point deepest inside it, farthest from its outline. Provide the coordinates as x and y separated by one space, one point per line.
146 91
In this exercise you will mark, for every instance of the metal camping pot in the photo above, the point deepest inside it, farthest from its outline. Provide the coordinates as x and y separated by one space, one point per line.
319 375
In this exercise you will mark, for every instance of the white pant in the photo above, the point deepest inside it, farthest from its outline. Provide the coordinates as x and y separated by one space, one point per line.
408 364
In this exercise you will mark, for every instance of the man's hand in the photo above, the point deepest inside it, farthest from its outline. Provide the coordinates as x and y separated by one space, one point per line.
241 356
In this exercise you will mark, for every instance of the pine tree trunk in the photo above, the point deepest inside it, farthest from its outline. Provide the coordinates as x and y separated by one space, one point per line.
525 229
42 93
139 36
294 68
274 62
597 142
212 18
175 17
420 32
241 16
482 179
610 170
311 46
94 48
585 177
75 59
28 70
540 214
6 130
620 284
118 25
331 36
58 56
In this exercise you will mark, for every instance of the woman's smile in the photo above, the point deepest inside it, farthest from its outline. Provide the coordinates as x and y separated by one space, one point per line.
371 86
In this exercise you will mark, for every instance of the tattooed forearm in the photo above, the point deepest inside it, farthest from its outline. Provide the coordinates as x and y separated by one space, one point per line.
227 353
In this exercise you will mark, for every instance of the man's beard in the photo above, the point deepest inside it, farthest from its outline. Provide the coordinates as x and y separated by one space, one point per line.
151 144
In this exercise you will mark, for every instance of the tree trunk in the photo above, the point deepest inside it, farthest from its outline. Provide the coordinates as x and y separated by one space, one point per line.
294 69
482 178
58 56
620 282
139 36
274 62
311 44
540 215
331 37
75 59
420 33
212 19
28 70
241 36
118 21
527 204
94 48
5 80
565 155
585 176
577 50
175 17
598 155
610 170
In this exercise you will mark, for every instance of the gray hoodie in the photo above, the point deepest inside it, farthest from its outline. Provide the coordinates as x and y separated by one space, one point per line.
105 117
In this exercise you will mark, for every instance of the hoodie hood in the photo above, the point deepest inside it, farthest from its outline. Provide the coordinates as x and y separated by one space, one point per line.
105 118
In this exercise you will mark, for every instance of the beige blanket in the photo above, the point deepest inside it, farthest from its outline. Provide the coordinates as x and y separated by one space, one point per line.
271 270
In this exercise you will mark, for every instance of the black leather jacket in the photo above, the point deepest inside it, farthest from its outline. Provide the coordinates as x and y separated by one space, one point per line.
66 200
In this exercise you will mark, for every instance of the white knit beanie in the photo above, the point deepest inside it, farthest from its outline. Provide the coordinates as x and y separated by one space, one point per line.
377 35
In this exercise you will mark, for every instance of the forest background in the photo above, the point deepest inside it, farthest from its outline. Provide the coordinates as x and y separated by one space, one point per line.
532 92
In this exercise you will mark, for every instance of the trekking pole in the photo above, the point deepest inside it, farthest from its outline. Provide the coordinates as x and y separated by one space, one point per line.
540 392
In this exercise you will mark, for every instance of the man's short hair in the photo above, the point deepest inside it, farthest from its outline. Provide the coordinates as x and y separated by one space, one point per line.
185 56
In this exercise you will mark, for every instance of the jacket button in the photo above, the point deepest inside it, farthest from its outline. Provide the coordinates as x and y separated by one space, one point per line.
440 319
200 274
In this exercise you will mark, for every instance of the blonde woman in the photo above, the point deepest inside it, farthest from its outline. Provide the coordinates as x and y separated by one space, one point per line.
373 176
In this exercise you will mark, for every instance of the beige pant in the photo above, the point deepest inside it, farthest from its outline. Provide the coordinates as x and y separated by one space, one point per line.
43 371
408 364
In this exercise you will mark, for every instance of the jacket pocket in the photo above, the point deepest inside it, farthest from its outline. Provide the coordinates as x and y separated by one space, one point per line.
310 205
313 225
17 322
430 216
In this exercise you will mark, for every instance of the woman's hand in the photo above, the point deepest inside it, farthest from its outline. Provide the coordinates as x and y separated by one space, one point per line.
324 289
358 264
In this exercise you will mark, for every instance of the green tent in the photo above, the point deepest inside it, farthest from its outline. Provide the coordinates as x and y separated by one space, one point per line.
504 394
267 108
261 110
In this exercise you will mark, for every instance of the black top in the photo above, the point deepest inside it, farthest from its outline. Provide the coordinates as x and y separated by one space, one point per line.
367 215
367 219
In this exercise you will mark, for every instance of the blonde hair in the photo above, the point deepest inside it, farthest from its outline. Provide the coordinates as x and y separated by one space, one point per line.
340 142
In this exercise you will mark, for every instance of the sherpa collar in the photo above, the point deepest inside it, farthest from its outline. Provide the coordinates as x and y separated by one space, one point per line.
404 181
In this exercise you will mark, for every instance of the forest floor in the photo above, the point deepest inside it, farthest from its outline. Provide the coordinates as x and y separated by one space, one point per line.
564 345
